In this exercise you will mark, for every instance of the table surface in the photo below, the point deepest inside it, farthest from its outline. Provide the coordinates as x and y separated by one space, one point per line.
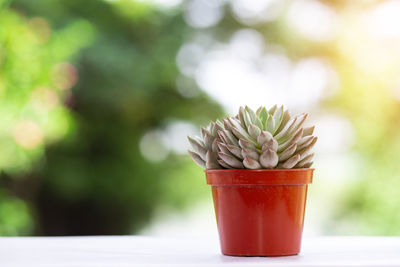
153 251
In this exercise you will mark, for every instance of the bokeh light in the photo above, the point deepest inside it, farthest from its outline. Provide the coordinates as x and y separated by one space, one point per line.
96 103
28 134
64 75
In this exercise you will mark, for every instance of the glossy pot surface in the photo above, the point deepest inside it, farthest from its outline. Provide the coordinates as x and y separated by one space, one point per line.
260 212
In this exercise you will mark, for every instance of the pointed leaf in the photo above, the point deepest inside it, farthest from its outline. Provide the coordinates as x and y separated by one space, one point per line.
214 146
242 114
258 111
247 120
231 161
196 158
285 119
308 165
198 148
308 131
211 161
222 137
236 151
230 150
264 115
247 152
270 126
232 139
222 148
264 136
304 152
251 113
244 143
259 123
227 137
278 116
294 139
199 140
285 131
226 123
223 164
250 163
269 159
239 134
238 130
291 162
209 126
207 137
254 131
305 142
305 139
213 129
271 144
272 110
305 161
299 123
287 153
219 126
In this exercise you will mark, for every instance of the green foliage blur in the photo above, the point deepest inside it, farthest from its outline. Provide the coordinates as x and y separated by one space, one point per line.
80 85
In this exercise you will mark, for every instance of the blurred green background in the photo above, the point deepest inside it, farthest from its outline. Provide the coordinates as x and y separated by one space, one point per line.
97 97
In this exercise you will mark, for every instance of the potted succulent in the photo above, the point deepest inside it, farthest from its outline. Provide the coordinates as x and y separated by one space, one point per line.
258 165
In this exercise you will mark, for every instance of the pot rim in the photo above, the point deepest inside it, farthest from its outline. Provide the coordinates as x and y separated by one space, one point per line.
241 177
260 170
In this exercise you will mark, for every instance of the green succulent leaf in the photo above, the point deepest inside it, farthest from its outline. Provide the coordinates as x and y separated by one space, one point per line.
278 116
270 125
272 110
254 131
264 115
237 129
285 119
252 114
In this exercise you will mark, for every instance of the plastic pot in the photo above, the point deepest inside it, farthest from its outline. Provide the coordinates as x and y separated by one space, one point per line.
260 212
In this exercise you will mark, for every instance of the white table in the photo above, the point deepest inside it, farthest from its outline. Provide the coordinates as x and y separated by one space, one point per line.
151 251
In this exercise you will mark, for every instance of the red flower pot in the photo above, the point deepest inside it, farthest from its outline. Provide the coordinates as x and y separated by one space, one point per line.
260 212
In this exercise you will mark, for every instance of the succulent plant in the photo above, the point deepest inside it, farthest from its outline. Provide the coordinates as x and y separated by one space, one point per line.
205 147
265 139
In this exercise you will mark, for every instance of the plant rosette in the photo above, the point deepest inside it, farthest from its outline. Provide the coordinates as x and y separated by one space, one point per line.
258 166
